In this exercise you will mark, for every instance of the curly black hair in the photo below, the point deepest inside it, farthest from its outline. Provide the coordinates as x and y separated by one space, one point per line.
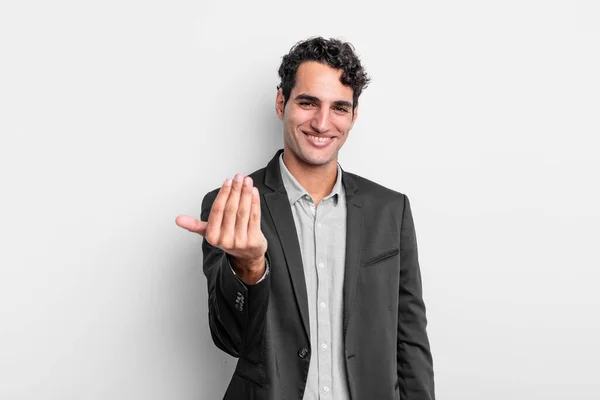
332 52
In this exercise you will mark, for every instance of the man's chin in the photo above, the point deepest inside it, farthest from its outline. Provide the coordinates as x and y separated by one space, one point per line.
318 160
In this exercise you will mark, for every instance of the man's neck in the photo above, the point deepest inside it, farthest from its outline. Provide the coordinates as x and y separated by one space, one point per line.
318 181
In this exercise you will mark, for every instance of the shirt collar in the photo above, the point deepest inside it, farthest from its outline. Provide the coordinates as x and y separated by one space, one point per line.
294 189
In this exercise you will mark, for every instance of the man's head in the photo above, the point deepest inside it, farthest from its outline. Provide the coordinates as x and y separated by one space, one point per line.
335 53
317 99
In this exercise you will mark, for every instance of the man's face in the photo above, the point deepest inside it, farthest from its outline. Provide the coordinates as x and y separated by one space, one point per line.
318 115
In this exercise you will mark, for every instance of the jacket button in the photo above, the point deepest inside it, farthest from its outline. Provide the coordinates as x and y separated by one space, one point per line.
303 352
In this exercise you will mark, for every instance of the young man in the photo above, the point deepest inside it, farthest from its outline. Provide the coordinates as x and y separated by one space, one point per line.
313 275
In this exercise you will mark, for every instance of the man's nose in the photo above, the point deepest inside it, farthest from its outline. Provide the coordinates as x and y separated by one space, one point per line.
320 121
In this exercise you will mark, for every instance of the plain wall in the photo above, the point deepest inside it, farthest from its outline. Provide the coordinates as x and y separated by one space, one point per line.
117 116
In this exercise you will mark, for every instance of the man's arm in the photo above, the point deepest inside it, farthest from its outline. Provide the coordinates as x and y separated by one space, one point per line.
415 366
234 253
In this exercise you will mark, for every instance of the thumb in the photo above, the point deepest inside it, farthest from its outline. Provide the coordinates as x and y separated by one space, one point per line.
191 224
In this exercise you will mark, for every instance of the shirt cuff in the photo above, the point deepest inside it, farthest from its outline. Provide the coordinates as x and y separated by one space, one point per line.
260 280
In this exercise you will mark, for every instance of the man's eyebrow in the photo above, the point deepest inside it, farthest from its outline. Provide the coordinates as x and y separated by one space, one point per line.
308 97
313 99
342 103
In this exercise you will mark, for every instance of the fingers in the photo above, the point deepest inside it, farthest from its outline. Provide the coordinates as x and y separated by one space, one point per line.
254 220
191 224
243 213
230 212
215 218
234 220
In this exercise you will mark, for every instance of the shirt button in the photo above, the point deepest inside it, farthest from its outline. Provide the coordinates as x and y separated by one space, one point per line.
324 346
303 352
321 265
326 388
323 305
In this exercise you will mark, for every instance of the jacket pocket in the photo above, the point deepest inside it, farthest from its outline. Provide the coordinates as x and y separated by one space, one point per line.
241 388
250 371
249 379
381 257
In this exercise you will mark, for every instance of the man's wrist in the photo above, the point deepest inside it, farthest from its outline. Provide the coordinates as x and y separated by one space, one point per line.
249 271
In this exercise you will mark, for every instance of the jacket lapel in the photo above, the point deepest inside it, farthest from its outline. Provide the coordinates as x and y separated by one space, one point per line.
278 205
354 204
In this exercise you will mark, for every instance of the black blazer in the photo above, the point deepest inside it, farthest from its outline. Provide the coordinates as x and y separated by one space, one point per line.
384 324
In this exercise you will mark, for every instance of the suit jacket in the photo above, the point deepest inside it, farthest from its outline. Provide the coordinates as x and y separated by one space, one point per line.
384 324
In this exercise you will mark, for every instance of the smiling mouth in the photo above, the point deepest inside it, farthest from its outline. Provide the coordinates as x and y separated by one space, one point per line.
319 139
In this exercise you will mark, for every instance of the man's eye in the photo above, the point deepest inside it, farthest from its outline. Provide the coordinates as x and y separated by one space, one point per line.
341 109
306 104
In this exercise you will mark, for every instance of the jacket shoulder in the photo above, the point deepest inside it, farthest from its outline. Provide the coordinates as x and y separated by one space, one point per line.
374 190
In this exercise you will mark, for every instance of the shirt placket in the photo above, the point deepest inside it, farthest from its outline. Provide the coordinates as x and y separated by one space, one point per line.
323 315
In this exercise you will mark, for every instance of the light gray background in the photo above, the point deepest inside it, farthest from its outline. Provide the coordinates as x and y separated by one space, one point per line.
116 116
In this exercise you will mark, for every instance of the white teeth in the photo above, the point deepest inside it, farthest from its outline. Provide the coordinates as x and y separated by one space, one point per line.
319 138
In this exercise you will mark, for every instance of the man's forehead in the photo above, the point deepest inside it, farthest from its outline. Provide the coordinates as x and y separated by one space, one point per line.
318 80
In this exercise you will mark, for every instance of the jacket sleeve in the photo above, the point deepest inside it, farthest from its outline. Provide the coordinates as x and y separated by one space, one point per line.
415 365
236 311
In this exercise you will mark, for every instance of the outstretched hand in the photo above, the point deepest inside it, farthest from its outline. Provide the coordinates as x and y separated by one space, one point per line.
234 226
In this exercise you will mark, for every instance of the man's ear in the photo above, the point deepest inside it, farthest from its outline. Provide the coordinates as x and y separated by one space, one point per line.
279 103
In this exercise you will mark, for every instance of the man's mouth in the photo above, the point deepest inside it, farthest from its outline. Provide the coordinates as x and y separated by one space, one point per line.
318 139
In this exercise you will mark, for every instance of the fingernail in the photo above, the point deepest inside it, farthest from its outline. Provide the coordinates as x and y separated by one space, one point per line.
248 181
255 191
239 178
228 182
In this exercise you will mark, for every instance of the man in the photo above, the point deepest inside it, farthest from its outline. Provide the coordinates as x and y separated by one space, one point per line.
313 276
